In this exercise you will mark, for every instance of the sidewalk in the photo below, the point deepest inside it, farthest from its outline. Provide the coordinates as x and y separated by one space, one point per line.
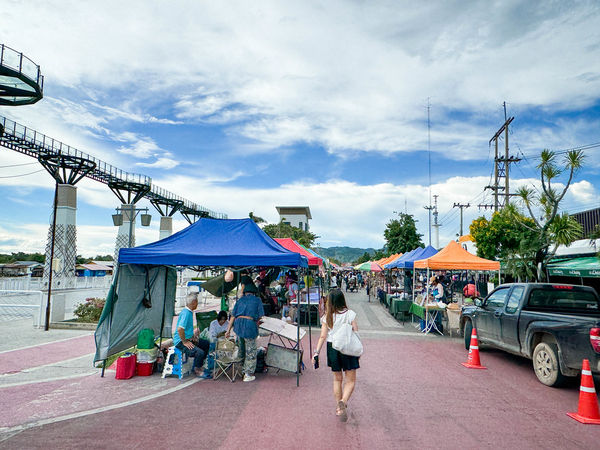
49 376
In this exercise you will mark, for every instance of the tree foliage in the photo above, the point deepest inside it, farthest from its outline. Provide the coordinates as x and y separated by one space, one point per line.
20 256
364 258
256 219
401 234
507 236
283 230
526 244
551 228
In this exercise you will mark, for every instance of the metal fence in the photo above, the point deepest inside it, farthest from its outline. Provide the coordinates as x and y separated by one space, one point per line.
21 304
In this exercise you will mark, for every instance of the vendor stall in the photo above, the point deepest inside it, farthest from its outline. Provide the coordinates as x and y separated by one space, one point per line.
143 293
451 257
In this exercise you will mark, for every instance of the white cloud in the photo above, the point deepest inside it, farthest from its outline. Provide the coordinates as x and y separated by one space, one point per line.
160 163
349 76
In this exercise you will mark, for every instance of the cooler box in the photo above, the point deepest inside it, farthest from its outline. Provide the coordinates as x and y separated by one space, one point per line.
126 366
144 369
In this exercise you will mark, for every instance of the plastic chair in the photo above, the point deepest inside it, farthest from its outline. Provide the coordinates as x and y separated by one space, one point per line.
180 364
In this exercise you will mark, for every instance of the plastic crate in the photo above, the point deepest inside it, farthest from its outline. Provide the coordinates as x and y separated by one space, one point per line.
144 369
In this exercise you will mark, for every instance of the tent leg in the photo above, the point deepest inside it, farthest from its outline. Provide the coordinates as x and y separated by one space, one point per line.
298 273
103 367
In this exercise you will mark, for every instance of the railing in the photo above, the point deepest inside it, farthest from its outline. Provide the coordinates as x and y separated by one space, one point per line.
12 303
18 62
30 142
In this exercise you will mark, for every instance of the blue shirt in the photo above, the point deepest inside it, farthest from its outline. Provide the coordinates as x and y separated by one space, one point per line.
185 321
248 305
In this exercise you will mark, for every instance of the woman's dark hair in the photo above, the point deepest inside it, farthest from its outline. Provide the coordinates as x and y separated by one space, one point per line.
222 315
336 303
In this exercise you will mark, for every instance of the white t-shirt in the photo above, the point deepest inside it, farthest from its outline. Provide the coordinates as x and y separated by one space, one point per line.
346 317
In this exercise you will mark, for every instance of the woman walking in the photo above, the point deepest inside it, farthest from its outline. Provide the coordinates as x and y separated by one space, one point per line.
343 366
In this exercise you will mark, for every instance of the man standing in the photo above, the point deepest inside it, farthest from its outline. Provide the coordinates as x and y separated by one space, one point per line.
184 337
244 320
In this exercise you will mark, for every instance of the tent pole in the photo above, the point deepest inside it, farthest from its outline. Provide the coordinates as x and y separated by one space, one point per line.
162 321
103 367
308 306
298 272
414 281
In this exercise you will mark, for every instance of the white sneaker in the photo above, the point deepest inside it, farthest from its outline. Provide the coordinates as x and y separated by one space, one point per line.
249 378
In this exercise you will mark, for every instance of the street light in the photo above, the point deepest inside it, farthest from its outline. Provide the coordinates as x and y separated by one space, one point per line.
132 212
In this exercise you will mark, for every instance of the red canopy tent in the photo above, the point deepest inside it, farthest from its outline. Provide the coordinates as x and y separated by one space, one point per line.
293 246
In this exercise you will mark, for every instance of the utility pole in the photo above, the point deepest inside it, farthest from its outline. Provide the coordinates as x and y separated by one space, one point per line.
461 206
436 225
429 208
501 167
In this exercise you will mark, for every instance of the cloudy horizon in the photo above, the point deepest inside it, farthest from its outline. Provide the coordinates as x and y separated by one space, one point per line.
242 107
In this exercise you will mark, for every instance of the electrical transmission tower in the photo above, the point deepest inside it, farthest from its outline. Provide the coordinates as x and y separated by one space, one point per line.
461 206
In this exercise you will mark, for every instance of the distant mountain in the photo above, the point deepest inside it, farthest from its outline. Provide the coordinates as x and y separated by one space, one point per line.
343 254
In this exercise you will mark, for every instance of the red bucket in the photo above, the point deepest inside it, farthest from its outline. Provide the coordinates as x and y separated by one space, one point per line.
144 369
126 366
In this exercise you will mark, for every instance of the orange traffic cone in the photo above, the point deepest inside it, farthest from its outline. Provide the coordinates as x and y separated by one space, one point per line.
587 412
473 360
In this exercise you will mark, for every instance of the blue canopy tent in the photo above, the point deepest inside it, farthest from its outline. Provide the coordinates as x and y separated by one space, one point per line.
421 253
398 263
143 293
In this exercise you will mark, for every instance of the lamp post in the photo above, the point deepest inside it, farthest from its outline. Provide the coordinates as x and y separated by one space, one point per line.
132 213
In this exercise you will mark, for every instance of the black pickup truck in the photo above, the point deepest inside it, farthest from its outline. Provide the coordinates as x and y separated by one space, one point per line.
555 325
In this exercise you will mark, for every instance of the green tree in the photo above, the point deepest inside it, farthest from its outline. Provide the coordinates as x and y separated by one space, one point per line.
284 230
257 219
364 258
551 228
401 234
507 236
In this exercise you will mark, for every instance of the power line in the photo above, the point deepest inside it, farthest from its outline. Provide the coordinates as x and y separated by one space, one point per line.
24 174
17 165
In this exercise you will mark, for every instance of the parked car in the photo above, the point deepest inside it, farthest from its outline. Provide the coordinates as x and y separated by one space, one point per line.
554 325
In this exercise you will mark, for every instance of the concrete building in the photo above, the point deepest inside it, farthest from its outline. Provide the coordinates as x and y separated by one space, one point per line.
296 216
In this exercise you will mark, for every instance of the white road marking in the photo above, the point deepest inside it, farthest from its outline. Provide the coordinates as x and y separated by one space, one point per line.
39 423
45 343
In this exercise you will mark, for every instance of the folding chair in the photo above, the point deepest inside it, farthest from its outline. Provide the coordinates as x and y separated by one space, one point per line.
227 360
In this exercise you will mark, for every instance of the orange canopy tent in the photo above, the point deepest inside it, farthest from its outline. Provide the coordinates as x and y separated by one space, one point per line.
453 256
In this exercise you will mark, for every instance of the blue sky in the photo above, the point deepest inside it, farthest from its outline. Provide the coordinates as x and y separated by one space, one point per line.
242 106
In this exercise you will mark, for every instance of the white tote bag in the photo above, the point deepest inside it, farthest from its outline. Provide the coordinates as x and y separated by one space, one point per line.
345 340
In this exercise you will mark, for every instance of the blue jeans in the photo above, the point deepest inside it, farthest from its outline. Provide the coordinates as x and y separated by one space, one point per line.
197 353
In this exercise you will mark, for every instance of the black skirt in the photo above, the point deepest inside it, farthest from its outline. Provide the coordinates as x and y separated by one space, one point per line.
338 361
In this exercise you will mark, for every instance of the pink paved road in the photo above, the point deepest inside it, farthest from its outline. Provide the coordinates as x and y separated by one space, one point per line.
17 360
412 392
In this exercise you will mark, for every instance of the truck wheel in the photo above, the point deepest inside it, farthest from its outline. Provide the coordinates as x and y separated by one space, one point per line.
545 364
468 331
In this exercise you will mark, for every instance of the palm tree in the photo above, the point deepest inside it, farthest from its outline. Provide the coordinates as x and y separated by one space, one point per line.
257 219
552 229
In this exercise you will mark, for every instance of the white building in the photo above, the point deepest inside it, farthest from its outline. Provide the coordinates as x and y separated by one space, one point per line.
296 216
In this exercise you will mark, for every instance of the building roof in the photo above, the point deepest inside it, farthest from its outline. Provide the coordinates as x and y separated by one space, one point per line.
93 267
305 210
28 263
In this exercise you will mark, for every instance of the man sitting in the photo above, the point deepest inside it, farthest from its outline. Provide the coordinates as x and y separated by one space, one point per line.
185 339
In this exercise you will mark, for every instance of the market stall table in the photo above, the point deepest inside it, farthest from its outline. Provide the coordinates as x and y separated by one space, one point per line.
429 314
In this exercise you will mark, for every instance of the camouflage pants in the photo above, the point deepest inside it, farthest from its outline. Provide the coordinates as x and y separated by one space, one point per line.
248 349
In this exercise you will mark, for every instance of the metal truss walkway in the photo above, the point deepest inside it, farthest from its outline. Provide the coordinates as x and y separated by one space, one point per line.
24 140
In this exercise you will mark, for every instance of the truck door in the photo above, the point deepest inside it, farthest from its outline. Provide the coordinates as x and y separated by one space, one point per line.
510 320
488 320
